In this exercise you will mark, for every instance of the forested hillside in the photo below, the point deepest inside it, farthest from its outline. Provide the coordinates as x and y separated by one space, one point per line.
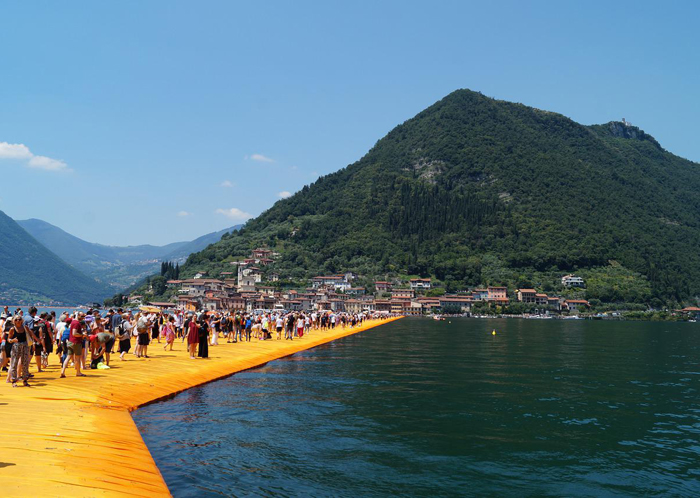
477 191
30 273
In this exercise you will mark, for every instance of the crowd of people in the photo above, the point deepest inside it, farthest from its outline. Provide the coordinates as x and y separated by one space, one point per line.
87 339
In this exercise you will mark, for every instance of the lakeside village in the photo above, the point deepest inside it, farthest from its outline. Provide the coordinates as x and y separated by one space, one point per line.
249 292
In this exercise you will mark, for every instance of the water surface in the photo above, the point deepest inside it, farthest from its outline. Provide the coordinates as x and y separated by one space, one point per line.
425 408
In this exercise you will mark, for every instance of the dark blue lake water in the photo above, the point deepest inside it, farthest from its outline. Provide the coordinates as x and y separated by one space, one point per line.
425 408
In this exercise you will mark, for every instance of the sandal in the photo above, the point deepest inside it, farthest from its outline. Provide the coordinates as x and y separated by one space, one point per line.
81 375
63 376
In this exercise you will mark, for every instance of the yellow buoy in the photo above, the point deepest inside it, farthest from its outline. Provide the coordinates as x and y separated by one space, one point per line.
493 333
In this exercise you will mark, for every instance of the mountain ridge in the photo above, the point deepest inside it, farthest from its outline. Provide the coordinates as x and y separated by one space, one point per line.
117 266
30 273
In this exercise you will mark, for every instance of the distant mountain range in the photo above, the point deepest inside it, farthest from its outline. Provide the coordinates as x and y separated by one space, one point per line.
40 263
117 267
30 273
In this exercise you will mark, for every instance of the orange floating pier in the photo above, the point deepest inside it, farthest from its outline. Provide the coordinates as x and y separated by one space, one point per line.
75 436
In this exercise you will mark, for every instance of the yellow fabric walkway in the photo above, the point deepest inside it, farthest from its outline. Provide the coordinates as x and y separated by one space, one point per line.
75 436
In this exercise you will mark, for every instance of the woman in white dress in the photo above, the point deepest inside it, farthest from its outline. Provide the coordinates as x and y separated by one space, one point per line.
214 327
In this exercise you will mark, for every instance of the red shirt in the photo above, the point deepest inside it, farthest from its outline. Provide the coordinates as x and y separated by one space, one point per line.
75 326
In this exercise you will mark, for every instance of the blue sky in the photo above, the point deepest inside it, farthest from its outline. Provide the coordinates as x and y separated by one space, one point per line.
149 122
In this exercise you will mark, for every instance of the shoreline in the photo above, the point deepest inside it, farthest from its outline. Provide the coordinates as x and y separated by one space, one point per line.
76 436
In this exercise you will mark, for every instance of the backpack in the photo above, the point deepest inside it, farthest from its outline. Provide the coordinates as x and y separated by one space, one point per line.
120 332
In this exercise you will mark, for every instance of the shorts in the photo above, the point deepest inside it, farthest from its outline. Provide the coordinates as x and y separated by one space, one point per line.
37 349
8 348
143 340
124 346
109 345
75 349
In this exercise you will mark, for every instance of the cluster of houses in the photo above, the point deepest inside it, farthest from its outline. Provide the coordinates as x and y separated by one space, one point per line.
247 289
531 296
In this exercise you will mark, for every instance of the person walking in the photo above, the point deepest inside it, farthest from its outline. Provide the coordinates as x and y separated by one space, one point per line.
6 344
17 336
143 328
237 325
289 329
192 337
300 326
214 326
74 349
279 325
169 333
31 322
123 334
203 330
248 327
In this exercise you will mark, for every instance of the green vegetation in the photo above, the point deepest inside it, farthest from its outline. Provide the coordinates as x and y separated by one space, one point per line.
474 191
30 273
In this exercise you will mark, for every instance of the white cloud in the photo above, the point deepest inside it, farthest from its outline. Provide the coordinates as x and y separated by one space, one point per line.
284 194
260 158
234 214
14 151
43 162
227 184
21 152
183 214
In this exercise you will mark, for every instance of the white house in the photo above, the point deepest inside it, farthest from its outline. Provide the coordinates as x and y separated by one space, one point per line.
572 281
339 283
420 283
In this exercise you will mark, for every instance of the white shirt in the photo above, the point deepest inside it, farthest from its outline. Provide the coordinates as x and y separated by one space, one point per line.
59 330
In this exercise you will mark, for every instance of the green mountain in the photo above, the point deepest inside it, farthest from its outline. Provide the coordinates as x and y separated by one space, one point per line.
476 191
31 273
119 267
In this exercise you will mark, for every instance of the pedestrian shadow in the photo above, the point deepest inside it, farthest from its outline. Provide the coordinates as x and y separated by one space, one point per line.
6 464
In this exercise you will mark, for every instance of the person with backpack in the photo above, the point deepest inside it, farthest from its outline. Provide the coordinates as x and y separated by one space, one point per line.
237 328
289 329
123 334
143 329
248 327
